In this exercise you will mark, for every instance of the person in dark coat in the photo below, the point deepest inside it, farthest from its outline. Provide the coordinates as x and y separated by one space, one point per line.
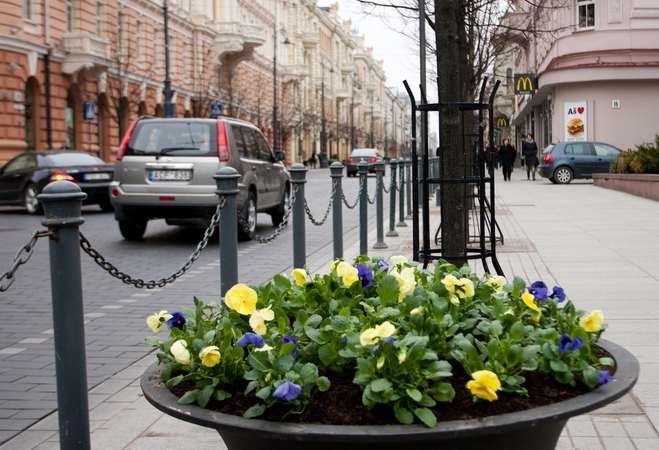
507 153
530 152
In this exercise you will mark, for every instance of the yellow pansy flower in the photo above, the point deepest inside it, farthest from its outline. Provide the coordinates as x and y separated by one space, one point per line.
180 351
241 298
406 281
484 385
155 321
462 287
380 362
593 322
301 276
258 318
372 335
335 264
398 259
496 283
348 273
416 311
455 301
402 356
528 299
210 356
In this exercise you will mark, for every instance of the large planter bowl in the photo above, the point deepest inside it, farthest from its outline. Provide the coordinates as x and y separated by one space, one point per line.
537 429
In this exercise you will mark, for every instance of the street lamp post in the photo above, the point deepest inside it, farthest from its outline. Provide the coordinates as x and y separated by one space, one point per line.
169 109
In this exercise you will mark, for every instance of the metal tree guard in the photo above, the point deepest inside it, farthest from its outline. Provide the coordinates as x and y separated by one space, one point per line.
477 183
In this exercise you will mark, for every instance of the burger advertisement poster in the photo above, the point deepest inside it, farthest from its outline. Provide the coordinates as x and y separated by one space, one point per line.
576 118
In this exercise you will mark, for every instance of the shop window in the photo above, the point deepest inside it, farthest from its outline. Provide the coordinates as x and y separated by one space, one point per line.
27 9
586 14
70 121
30 116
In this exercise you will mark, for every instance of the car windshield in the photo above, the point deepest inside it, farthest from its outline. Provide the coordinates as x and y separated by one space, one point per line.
548 149
172 138
364 152
72 159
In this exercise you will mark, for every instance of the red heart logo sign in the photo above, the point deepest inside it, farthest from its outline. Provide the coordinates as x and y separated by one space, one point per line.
580 110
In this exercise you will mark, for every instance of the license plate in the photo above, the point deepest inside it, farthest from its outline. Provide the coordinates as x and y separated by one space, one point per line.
169 175
96 176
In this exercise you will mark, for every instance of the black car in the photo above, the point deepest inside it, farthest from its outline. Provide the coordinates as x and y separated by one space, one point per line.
370 155
25 176
564 161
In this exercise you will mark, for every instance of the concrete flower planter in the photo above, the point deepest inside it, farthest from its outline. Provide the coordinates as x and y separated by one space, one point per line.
644 185
536 429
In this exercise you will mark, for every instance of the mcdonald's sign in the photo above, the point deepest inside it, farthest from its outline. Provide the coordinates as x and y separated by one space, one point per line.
501 122
525 83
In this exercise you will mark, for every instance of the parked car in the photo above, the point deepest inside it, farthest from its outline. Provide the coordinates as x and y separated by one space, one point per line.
370 155
564 161
165 169
25 176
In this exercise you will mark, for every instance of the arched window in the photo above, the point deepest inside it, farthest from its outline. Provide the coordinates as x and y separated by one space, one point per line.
70 120
509 76
31 109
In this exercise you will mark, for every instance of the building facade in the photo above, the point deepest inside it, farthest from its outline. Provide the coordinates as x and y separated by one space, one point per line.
597 70
76 73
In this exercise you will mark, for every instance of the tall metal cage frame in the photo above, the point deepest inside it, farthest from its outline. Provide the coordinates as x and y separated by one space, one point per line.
477 180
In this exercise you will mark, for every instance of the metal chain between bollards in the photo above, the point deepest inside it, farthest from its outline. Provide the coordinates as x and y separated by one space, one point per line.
151 284
280 228
329 207
22 256
359 194
377 185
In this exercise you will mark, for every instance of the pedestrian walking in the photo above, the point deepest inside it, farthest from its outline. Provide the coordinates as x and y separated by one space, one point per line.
508 154
530 152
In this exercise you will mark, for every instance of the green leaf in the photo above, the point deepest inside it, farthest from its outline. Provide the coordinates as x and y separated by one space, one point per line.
323 384
590 377
558 366
347 353
284 363
174 381
302 316
426 416
314 335
308 373
188 397
414 394
151 341
388 289
263 393
287 348
519 283
208 337
165 373
404 416
604 361
366 366
205 395
254 411
251 386
443 392
340 324
313 321
513 356
327 354
380 385
220 395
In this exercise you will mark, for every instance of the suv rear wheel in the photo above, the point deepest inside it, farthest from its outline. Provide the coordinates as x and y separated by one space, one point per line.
132 229
249 214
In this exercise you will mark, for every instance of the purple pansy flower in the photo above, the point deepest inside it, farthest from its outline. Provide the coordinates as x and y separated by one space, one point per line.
604 377
286 339
382 263
251 338
557 292
287 391
177 321
365 275
566 343
539 291
389 340
344 339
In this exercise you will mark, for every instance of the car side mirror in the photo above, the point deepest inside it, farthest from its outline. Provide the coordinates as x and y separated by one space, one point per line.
280 155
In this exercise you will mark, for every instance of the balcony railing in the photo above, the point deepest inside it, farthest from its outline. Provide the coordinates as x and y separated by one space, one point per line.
85 52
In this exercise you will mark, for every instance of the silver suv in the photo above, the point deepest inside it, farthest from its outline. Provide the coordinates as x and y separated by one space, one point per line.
165 169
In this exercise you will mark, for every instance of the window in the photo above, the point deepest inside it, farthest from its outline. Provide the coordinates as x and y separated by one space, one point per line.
509 76
578 149
69 16
27 9
172 55
605 150
99 19
21 163
156 48
139 42
184 58
586 14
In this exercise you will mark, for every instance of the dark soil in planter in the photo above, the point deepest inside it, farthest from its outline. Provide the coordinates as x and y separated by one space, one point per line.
342 403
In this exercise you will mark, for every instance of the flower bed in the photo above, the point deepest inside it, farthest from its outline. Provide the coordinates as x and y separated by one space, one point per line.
404 335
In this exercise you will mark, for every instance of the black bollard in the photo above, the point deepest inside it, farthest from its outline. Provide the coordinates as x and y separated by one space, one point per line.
62 201
363 208
392 198
401 200
298 178
226 180
379 173
336 170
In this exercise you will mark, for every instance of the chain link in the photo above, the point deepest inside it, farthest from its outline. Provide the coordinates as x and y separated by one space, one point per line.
260 239
359 194
151 284
377 184
22 256
329 207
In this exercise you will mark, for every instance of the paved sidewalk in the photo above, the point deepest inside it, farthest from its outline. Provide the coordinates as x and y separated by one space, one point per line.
601 246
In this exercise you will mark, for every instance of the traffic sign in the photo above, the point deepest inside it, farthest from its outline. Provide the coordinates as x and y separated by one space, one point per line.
216 110
90 111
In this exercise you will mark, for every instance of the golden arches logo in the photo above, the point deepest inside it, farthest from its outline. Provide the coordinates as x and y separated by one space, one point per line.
502 122
525 84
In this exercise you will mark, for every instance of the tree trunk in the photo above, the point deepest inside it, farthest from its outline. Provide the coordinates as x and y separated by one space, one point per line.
450 75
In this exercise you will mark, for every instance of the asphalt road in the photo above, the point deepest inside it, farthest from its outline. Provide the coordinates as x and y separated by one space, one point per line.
115 312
